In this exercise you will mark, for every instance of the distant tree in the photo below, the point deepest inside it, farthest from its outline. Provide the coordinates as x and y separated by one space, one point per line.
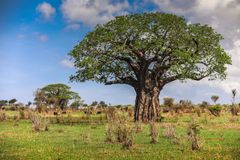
234 93
29 104
19 104
102 104
57 95
12 101
214 98
75 105
168 101
94 103
234 109
148 51
77 102
85 105
3 103
204 104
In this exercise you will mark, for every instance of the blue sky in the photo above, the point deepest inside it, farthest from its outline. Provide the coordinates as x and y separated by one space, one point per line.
35 37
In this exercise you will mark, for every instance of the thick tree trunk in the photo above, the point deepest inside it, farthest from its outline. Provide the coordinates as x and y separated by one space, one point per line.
147 105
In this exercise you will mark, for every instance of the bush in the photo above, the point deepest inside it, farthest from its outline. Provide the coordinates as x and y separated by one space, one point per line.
153 132
70 119
169 132
2 116
110 136
168 101
46 124
193 131
21 114
198 111
215 110
234 110
119 129
138 126
36 121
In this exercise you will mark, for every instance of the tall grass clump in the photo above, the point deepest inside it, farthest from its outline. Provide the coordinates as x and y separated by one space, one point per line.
119 129
39 123
2 116
36 121
169 132
153 131
138 127
193 132
110 136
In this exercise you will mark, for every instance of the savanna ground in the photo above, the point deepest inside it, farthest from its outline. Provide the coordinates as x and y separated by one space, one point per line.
219 139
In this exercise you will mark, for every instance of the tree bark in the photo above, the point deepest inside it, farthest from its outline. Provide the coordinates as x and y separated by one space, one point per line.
147 104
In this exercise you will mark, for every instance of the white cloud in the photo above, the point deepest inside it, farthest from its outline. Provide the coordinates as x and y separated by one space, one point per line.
67 63
41 37
92 12
223 16
46 9
20 36
73 27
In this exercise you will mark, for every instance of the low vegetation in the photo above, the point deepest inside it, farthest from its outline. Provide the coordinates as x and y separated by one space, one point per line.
108 133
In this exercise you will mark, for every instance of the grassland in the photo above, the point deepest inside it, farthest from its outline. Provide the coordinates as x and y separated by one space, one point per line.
220 139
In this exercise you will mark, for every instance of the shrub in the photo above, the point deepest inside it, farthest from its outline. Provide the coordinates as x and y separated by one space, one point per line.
111 114
123 129
46 124
169 132
127 143
36 121
233 119
21 114
119 129
86 137
198 111
2 116
138 126
70 119
168 101
193 131
234 110
204 104
215 110
153 132
110 133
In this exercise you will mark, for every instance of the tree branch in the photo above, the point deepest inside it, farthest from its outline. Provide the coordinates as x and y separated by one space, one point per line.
126 80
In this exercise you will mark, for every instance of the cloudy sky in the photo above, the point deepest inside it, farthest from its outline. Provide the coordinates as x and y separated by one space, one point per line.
35 37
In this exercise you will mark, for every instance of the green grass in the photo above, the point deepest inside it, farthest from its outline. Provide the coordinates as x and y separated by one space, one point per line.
220 139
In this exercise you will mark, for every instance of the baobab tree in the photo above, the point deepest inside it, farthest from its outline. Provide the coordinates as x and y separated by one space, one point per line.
148 51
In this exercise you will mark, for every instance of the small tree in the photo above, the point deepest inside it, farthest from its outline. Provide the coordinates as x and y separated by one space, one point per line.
214 98
234 93
57 95
234 109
